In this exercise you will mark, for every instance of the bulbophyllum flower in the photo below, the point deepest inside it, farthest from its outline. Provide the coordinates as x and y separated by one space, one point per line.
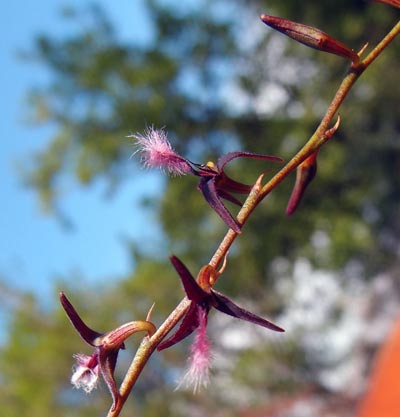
203 297
107 345
215 184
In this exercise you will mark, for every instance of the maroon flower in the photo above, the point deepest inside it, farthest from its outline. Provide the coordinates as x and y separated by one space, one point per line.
214 184
203 297
107 346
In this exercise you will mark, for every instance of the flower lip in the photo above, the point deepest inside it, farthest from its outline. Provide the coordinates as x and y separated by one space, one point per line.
157 151
198 373
85 372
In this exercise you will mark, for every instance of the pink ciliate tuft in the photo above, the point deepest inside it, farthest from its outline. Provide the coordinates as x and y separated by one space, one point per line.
198 374
157 152
85 372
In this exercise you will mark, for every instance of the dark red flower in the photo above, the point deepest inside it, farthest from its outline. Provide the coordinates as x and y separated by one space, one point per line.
215 185
203 297
107 346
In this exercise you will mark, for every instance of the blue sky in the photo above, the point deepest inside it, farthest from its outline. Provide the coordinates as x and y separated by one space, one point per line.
35 249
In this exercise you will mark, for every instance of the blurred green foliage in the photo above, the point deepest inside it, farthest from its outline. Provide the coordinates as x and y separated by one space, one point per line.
219 80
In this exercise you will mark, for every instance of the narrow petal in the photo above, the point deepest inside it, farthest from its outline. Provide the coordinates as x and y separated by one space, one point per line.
87 334
192 289
227 306
224 183
210 193
229 197
188 325
224 159
107 361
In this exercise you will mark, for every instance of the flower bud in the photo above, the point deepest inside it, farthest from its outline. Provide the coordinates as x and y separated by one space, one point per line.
310 36
394 3
305 173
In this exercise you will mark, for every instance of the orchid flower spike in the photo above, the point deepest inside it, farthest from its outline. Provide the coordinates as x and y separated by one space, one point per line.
107 346
215 184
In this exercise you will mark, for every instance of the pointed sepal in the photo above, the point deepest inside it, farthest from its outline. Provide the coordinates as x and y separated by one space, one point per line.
188 325
212 196
227 306
192 289
89 335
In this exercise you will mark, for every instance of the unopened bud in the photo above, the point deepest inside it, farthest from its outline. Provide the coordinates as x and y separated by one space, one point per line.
310 36
305 173
394 3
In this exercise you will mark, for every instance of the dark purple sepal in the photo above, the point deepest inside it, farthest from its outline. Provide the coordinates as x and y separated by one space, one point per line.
192 289
224 159
227 306
229 197
87 334
188 325
211 194
108 360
